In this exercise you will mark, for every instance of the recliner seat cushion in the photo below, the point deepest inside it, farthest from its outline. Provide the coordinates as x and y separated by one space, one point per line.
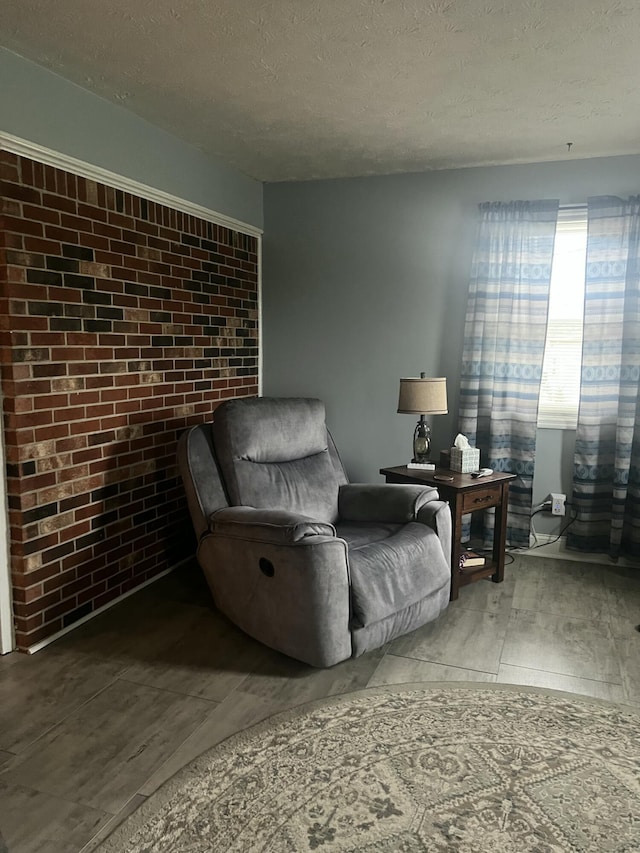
358 533
395 573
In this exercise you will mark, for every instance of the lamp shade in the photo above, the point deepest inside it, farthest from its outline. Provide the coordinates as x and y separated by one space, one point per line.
423 396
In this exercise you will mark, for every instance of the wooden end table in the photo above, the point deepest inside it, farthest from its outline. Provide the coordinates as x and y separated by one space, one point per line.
465 494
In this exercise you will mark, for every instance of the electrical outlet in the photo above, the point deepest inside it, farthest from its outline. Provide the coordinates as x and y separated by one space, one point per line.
558 501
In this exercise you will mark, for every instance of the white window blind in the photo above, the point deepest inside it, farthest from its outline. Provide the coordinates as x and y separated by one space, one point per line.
560 386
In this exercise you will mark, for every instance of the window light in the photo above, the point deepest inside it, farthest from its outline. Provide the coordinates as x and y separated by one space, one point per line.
560 386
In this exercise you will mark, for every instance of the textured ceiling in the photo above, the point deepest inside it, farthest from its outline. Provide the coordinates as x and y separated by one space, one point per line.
297 89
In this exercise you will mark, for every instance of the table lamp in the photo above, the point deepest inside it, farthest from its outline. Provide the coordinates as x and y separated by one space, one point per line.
423 396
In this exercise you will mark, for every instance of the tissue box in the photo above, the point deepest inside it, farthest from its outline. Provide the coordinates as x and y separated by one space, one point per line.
464 460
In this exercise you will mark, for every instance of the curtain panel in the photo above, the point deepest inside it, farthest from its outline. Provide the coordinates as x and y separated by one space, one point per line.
606 484
504 338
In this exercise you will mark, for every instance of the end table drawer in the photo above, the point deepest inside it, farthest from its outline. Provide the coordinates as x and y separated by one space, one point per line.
481 498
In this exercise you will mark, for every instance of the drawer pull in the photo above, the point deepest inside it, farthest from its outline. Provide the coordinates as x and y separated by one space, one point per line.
481 499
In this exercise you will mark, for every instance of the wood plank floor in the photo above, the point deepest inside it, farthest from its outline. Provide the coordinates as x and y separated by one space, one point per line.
94 723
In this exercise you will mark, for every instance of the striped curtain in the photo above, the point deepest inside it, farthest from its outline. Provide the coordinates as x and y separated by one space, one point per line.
504 339
606 483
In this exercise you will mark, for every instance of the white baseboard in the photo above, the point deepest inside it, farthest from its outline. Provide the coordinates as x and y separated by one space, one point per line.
36 647
556 549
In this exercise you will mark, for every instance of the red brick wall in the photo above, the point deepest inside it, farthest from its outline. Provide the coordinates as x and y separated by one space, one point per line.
123 322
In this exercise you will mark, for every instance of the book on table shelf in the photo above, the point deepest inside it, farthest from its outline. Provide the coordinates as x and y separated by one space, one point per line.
469 559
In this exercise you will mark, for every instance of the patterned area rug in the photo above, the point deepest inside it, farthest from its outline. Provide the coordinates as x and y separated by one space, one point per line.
409 769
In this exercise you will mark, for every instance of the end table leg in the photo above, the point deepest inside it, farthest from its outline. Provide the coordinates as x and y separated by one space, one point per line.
453 594
500 534
456 546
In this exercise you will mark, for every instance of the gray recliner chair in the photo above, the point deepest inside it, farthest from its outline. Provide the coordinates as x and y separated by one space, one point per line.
295 555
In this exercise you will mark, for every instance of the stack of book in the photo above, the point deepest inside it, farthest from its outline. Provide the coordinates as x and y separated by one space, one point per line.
469 559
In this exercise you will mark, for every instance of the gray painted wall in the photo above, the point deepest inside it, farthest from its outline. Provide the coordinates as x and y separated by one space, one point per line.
365 281
46 109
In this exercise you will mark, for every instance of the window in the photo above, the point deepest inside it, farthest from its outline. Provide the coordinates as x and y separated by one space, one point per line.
560 386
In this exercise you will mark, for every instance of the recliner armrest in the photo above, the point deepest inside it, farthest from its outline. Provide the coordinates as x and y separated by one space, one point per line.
437 515
275 526
383 502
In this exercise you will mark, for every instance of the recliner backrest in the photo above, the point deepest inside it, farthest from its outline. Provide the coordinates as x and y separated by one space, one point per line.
274 453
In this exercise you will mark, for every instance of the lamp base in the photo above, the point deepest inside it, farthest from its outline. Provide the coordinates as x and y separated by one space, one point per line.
421 441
